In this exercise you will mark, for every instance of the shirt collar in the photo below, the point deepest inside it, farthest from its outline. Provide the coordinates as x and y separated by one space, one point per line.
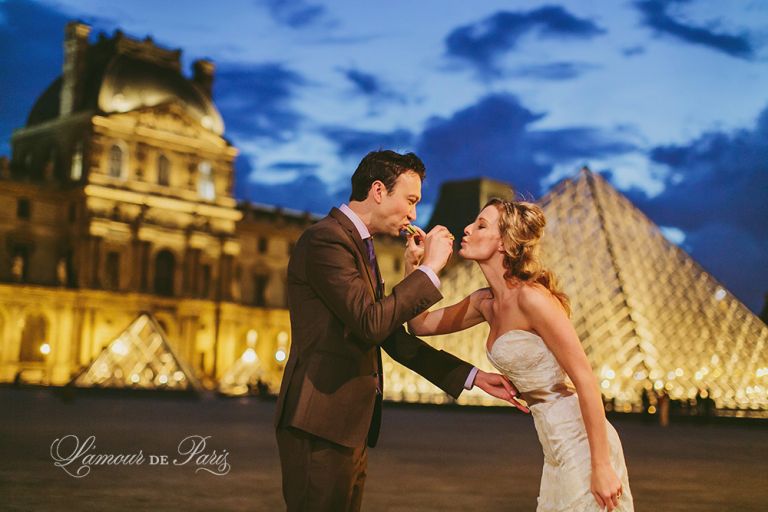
357 221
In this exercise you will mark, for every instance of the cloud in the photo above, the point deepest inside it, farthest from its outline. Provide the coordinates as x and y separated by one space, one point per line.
356 144
715 192
552 70
298 167
656 16
481 44
633 51
370 86
496 138
255 100
296 13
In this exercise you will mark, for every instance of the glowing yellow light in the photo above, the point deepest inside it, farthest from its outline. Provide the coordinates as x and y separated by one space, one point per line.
163 379
135 378
178 375
679 372
719 294
671 375
249 356
251 337
280 355
45 349
652 409
698 376
282 337
658 384
605 384
119 348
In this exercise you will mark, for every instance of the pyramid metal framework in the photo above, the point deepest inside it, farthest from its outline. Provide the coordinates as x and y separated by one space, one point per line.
649 317
139 358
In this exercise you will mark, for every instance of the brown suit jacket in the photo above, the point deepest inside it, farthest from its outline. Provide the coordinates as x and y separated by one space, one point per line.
329 388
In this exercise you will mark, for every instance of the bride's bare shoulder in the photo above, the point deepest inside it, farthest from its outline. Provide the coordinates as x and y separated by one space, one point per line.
534 297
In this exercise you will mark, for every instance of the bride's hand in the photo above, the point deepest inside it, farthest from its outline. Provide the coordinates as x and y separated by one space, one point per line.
606 486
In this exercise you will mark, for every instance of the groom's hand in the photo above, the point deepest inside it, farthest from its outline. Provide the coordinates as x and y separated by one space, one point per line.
438 246
500 387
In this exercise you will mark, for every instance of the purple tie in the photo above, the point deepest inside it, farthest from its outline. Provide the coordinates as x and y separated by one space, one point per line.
374 265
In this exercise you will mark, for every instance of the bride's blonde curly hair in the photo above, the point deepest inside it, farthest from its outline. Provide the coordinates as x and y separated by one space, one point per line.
521 225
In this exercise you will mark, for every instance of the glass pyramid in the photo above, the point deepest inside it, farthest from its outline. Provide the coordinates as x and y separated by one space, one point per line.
244 377
649 317
139 358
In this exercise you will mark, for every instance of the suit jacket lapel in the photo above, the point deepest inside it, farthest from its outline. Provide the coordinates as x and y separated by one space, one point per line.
351 230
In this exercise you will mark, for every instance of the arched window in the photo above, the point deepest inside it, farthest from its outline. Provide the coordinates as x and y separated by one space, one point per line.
32 339
163 171
112 271
165 265
205 187
76 170
116 157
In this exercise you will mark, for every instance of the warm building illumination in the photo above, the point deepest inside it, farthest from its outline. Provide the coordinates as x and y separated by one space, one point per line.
249 356
280 355
45 349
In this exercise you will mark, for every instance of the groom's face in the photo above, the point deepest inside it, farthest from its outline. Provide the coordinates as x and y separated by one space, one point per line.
397 207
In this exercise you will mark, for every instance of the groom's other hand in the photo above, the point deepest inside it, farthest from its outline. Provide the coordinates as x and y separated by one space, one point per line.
438 246
500 387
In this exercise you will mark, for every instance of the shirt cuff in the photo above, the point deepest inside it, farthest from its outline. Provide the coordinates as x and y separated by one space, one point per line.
431 274
470 382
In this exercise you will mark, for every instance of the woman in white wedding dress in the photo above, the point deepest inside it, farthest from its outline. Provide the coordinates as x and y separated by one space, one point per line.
533 342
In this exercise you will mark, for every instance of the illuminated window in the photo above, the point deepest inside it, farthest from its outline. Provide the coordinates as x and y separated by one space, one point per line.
76 171
116 156
163 170
205 187
33 337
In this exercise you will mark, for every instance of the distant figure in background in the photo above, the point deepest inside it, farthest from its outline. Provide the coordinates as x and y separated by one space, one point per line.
533 342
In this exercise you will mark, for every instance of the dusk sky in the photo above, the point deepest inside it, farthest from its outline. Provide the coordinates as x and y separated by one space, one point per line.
667 99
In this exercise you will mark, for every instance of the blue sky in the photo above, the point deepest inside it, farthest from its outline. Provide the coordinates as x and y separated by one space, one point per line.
668 99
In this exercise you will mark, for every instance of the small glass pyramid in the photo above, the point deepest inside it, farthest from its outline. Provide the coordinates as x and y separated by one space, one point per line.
139 358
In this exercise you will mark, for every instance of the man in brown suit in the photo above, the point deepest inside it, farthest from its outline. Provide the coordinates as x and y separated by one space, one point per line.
329 407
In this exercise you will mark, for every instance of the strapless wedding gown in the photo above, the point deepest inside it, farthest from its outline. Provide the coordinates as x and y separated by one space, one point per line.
565 481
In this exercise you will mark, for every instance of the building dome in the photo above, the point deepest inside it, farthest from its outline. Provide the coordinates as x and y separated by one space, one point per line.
130 84
126 82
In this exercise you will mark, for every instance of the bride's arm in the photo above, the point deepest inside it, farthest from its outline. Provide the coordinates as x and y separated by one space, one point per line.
550 321
459 316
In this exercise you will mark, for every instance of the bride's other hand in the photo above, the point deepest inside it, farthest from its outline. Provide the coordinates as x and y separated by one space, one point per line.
606 486
500 387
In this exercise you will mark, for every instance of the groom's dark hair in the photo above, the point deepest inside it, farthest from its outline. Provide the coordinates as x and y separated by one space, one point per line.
384 166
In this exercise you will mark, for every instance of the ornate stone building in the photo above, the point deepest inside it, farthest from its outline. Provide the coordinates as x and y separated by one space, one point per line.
118 200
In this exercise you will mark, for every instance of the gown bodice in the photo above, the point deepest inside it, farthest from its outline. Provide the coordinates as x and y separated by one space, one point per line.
531 366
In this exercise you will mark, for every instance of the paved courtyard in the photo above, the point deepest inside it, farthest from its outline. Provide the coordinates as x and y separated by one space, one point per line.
429 459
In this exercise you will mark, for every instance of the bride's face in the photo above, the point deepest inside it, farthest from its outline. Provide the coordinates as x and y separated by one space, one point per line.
482 238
